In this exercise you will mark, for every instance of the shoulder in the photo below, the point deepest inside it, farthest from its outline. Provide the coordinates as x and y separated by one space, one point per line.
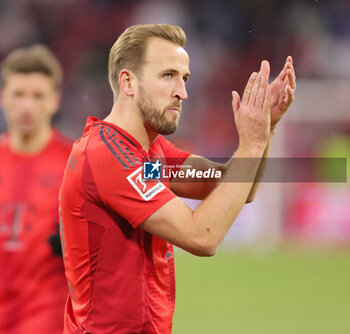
109 144
3 139
4 142
61 141
57 151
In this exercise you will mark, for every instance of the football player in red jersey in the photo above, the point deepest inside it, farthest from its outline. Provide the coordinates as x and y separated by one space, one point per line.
118 226
33 288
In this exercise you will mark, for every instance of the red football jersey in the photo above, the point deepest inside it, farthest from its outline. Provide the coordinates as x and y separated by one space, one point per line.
33 288
121 278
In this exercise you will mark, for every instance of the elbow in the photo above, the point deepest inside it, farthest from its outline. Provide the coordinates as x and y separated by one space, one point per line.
209 252
204 249
201 240
250 199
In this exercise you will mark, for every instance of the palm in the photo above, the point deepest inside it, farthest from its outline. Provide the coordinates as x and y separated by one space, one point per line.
282 89
278 107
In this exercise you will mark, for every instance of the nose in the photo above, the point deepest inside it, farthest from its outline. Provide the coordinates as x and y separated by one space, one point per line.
27 102
180 91
27 105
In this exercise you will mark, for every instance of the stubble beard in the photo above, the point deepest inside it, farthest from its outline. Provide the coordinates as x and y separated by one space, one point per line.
25 131
154 117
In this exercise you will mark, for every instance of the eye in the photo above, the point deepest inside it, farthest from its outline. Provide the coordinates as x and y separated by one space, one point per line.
18 94
168 75
38 95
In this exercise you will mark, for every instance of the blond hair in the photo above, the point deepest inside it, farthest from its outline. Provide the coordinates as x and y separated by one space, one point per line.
129 49
36 58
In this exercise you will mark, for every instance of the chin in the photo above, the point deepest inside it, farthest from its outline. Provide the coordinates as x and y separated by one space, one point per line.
166 132
26 131
168 129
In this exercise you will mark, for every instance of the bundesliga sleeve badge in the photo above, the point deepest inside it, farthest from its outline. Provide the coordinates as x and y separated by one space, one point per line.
146 180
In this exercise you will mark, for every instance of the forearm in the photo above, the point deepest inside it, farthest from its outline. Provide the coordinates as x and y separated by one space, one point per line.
198 188
201 190
261 169
214 217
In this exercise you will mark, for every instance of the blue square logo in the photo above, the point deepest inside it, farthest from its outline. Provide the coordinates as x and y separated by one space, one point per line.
151 170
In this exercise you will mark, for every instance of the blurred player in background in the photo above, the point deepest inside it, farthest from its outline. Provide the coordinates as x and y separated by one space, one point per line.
118 227
33 155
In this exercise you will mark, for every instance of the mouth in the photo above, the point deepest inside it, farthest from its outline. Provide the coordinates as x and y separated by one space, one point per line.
174 112
25 121
175 109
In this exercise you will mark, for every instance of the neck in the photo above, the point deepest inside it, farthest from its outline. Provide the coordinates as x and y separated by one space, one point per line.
129 118
30 144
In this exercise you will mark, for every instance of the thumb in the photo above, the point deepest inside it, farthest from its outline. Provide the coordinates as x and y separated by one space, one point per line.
236 101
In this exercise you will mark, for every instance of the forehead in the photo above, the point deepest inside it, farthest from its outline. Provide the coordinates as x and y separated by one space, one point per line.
32 80
161 53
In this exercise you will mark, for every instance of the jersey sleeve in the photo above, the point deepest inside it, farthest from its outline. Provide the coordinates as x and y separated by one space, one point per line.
118 176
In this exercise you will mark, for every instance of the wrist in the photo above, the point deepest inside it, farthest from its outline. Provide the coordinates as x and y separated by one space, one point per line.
250 152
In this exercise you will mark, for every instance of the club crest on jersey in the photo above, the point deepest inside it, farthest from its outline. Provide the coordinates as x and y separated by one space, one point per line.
147 187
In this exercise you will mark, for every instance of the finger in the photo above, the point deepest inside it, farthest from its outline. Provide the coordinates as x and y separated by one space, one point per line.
265 68
248 88
291 78
288 65
235 101
284 90
288 99
261 92
267 102
255 90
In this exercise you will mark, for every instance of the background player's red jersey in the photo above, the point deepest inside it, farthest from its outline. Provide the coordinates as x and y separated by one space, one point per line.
121 278
33 288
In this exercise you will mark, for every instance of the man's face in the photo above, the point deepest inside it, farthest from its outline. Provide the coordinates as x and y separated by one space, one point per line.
161 88
29 102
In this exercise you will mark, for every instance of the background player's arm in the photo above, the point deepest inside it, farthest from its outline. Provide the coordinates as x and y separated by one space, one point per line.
202 230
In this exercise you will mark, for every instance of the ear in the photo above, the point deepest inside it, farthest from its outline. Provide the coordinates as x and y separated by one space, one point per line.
126 81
